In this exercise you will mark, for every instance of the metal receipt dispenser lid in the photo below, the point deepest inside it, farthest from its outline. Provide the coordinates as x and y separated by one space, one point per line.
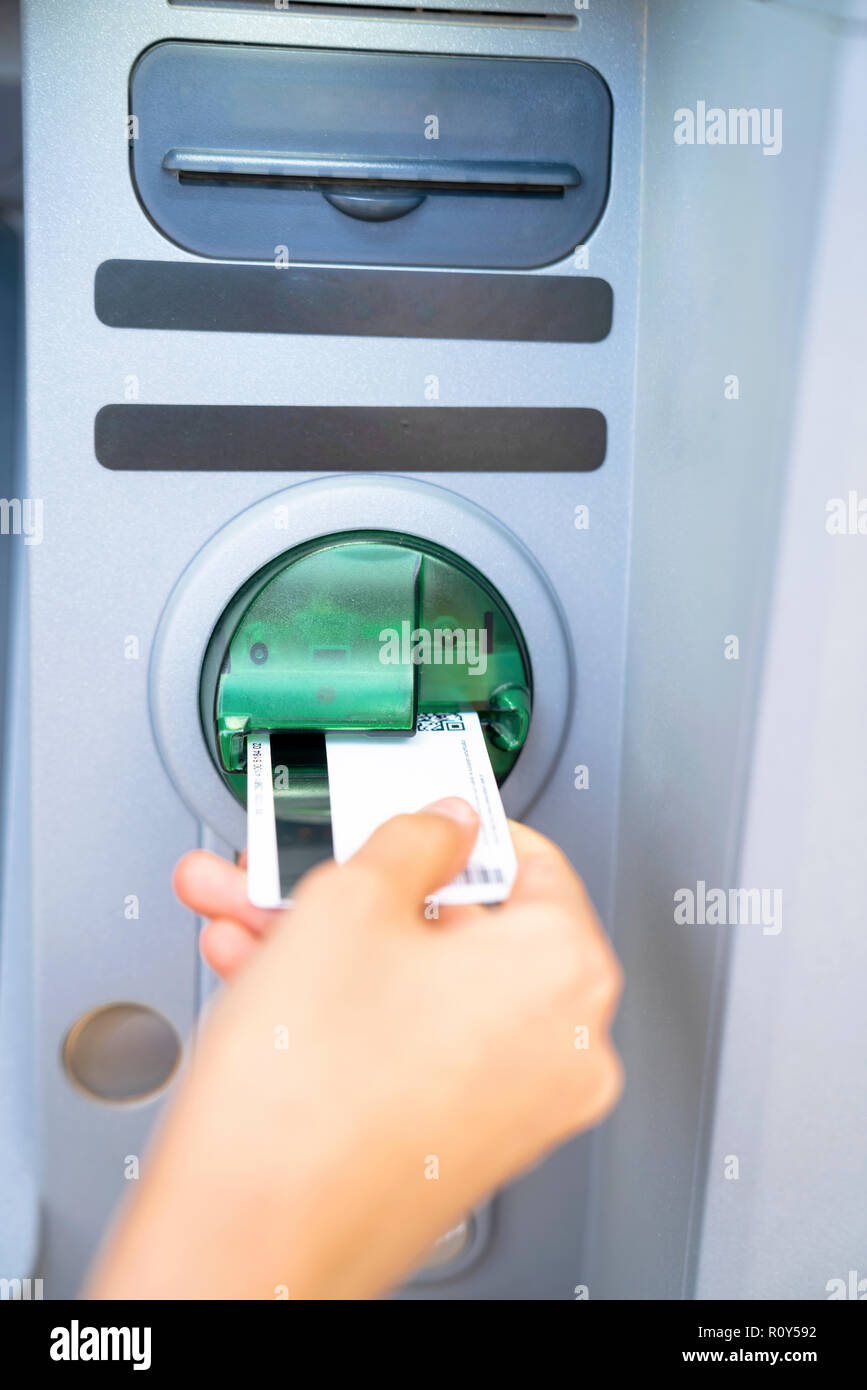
392 159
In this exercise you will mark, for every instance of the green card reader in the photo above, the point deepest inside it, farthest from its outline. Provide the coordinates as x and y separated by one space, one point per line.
358 631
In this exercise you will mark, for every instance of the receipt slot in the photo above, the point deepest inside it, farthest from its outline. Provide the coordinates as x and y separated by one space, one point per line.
359 632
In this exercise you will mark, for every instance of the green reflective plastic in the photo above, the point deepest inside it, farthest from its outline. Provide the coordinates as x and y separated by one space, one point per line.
306 653
361 631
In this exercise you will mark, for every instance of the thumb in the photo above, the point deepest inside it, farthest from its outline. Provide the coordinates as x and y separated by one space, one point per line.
416 854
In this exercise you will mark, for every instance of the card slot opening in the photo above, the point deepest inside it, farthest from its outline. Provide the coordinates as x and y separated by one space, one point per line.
531 19
374 186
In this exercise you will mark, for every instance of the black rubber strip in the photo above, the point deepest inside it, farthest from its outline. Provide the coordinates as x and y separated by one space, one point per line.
315 438
226 298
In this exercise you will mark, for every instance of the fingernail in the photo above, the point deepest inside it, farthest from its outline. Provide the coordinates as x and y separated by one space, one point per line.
455 808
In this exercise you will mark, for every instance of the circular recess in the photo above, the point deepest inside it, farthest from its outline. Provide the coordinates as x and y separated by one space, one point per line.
450 1245
457 1249
323 507
121 1052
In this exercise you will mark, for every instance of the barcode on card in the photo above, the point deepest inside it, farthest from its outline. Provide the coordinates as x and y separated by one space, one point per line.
372 779
440 724
478 873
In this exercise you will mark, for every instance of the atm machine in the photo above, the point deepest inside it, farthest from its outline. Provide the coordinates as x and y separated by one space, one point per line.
339 315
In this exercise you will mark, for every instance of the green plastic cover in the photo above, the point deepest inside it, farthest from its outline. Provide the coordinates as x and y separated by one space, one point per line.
363 631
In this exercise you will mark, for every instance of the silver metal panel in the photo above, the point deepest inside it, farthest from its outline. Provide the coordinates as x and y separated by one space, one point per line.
792 1099
113 824
679 554
725 261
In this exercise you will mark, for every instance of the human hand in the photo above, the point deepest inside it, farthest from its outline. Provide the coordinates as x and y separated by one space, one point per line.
408 1040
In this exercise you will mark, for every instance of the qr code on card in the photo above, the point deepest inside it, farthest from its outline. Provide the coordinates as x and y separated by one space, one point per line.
440 724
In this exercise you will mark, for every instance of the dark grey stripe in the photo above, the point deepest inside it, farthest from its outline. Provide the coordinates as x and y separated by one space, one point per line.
224 298
314 438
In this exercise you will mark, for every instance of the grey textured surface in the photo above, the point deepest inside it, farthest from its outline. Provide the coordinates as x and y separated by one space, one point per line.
10 386
19 1196
792 1101
727 256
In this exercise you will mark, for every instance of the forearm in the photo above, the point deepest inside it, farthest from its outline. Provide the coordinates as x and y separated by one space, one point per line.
325 1203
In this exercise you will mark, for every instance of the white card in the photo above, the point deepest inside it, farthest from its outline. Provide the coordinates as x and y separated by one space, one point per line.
374 777
263 867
